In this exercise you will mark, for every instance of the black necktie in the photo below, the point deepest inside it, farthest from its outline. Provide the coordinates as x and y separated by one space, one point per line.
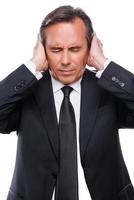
67 181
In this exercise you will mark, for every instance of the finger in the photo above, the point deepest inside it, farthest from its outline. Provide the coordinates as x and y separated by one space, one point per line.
95 39
95 36
94 33
37 42
99 42
39 37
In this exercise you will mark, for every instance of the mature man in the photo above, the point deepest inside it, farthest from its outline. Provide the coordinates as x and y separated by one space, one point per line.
67 118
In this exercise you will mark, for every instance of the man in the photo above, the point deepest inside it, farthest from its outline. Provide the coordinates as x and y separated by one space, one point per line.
103 101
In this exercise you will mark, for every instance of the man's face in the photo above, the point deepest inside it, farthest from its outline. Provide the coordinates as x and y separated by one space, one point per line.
67 50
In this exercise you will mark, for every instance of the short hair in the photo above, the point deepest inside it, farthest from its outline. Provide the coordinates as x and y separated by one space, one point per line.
67 14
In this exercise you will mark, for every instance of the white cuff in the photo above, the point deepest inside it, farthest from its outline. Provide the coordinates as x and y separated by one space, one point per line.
99 73
32 67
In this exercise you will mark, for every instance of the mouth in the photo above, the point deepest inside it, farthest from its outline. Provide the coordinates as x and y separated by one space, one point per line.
66 72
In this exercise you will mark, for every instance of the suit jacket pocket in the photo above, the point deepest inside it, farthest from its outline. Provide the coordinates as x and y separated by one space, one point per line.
127 193
14 196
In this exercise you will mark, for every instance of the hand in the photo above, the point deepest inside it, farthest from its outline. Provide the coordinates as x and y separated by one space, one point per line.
96 56
39 56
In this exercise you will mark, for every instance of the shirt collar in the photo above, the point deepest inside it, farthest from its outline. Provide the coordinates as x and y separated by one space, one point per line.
57 85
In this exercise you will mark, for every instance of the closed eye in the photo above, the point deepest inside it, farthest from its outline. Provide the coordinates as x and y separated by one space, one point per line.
56 50
75 49
72 49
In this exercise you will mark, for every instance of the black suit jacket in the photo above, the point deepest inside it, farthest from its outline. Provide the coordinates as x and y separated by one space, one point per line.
107 104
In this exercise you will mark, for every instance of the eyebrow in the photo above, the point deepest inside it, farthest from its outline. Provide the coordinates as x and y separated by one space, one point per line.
60 47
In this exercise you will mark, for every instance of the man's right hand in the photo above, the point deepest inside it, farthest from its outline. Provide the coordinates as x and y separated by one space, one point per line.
39 56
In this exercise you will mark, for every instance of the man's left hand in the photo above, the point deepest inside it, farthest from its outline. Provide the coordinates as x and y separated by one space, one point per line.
96 56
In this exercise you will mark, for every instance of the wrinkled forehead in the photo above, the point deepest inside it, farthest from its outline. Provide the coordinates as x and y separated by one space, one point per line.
65 33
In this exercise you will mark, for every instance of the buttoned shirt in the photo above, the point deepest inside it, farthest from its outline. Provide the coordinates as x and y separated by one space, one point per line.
75 98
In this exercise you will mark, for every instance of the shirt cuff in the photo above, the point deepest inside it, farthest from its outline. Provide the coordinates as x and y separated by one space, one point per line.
32 67
99 73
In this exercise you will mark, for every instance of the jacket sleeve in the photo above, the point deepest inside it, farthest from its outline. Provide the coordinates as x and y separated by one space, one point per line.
14 88
120 83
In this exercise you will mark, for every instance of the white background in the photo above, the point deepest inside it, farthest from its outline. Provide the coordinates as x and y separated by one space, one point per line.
19 25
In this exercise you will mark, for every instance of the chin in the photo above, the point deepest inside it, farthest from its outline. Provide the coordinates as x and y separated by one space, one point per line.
67 81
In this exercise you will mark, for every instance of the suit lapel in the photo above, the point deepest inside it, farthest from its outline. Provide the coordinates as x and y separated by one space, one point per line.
90 97
45 100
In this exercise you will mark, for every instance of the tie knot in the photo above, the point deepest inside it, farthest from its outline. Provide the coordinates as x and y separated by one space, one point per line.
66 90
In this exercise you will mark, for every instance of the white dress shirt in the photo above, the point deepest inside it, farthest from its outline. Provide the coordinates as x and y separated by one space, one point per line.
75 98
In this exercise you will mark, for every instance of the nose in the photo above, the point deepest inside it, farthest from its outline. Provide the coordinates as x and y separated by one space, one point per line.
65 60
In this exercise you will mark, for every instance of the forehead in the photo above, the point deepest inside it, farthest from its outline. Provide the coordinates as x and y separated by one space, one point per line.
73 32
